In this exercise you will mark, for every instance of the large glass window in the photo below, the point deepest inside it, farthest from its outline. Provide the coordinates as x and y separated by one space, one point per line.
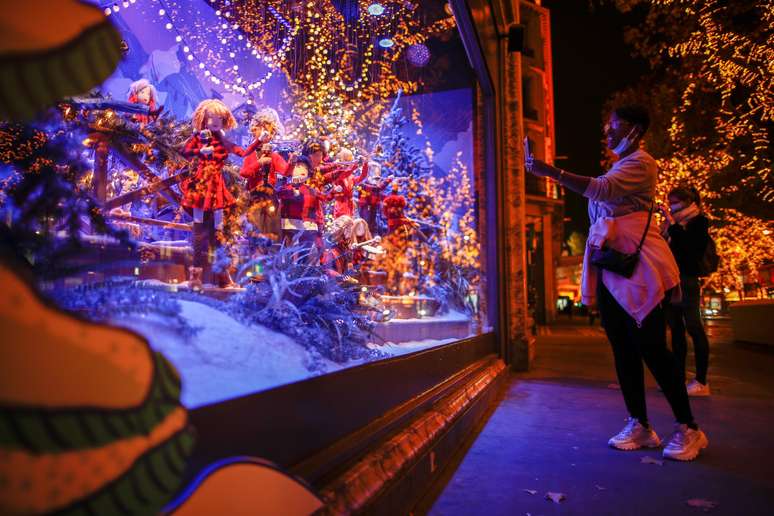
266 191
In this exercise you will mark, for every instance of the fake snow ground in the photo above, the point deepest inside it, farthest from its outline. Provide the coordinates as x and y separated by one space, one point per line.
227 359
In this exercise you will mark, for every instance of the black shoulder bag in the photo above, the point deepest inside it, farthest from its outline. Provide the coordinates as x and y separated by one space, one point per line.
620 263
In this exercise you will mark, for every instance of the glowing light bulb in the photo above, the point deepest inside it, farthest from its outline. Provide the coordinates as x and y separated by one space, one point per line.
386 42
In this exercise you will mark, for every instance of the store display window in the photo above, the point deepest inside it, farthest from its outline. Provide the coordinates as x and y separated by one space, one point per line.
265 191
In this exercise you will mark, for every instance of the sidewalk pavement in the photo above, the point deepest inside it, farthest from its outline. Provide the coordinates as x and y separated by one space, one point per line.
549 434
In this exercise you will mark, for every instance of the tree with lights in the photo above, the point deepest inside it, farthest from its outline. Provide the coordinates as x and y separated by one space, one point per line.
710 94
439 254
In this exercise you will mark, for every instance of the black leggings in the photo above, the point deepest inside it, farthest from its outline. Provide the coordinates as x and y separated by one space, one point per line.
687 316
631 345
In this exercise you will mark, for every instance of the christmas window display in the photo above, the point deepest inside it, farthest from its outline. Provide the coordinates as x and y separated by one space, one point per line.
266 191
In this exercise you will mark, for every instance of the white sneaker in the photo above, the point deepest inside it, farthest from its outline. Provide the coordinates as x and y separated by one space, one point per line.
696 388
635 436
685 444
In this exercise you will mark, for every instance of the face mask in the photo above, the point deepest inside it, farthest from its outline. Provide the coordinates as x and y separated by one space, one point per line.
625 142
680 206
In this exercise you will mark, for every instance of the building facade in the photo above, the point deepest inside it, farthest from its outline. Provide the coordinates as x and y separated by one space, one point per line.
545 204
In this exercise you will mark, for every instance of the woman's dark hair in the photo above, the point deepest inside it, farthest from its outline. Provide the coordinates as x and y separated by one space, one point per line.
634 114
686 193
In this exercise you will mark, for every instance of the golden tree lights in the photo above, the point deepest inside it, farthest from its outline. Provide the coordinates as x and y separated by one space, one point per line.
714 64
443 245
339 72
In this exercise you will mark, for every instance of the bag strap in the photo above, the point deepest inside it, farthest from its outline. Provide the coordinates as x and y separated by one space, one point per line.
647 227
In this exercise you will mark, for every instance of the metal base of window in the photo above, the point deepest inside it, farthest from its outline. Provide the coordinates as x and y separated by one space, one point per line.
394 474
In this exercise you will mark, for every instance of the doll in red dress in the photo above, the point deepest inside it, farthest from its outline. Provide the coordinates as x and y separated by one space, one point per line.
205 191
343 179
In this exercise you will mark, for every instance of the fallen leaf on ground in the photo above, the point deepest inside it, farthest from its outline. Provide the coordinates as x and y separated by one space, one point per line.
701 503
599 487
555 497
651 460
530 491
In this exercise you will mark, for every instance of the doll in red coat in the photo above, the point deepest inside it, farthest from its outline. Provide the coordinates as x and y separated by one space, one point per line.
301 210
261 168
206 190
343 179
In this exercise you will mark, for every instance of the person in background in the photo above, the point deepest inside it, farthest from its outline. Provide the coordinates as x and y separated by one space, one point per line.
687 230
631 308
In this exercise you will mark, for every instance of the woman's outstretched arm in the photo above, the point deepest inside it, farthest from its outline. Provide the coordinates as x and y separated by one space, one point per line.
574 182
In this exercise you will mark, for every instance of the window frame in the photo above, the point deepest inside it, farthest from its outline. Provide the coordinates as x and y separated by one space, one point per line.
313 427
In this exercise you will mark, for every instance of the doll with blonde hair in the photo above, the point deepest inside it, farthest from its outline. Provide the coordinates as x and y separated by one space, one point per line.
205 191
343 180
261 168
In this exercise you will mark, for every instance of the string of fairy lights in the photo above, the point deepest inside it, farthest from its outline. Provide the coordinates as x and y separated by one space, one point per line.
336 64
722 63
227 34
340 65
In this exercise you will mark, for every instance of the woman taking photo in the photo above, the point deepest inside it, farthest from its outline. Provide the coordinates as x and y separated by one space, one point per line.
630 291
687 230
